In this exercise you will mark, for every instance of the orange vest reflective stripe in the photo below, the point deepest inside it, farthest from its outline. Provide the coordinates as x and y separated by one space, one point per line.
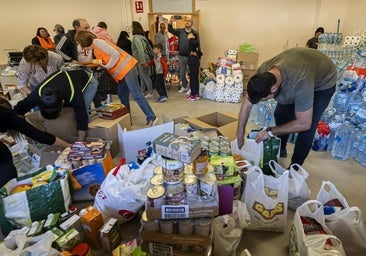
125 63
46 43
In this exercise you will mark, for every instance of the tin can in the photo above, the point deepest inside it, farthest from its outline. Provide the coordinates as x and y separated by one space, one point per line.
76 162
214 150
207 185
190 184
158 170
188 169
155 196
175 194
92 161
84 162
157 180
186 226
149 225
202 227
166 226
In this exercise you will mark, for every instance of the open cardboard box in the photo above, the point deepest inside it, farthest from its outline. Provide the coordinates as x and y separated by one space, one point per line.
154 249
224 122
133 142
65 126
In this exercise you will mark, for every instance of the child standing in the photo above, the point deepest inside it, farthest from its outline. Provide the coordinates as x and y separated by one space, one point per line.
161 70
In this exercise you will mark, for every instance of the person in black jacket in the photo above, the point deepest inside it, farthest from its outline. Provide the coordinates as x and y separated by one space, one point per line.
124 43
12 123
62 89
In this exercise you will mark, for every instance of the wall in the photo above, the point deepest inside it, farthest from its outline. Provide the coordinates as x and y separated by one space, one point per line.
271 26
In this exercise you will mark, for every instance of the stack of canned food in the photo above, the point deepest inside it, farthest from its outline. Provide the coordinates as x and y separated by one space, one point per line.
176 183
219 145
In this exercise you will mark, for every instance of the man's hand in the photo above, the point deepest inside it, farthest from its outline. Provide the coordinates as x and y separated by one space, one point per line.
261 136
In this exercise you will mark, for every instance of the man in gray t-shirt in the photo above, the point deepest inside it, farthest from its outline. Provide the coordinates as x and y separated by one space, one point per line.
302 81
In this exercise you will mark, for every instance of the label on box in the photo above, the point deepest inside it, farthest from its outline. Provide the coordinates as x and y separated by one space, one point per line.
175 211
160 249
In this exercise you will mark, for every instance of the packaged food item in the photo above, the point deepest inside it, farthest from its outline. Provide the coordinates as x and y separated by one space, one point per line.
200 163
92 221
175 194
202 226
190 184
109 235
155 196
149 225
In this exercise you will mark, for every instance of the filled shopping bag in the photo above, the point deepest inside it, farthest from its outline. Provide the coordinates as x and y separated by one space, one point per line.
309 235
298 190
345 222
228 229
123 192
32 197
251 150
266 198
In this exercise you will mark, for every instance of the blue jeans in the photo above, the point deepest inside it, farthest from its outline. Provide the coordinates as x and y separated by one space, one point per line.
286 113
130 84
146 82
89 93
183 62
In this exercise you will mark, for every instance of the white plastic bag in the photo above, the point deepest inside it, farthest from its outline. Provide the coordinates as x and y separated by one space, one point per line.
123 192
228 230
251 150
318 240
347 223
298 190
266 198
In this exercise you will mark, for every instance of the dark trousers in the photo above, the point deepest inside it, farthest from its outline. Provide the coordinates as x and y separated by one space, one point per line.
7 168
159 85
286 113
194 67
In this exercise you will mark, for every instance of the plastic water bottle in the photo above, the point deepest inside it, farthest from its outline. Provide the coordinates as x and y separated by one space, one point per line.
362 151
340 101
342 142
354 102
359 117
358 136
333 125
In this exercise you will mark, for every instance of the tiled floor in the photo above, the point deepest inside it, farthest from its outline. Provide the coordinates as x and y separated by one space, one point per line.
349 176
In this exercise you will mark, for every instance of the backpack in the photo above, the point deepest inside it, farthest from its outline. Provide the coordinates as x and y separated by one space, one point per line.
149 50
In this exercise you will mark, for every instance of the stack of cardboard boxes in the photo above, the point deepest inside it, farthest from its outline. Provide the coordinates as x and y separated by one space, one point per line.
249 64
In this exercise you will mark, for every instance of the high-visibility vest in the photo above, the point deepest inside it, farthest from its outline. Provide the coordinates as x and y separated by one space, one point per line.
125 63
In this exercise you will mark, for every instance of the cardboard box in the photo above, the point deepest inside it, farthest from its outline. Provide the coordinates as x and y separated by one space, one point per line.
112 111
133 142
92 221
109 235
182 148
62 127
248 60
108 130
65 126
175 238
203 211
86 180
225 123
158 249
67 241
183 127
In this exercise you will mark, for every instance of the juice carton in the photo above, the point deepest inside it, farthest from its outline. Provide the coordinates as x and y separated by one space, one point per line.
92 221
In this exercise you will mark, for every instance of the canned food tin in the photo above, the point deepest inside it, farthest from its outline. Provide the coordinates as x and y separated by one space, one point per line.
173 176
76 162
149 225
158 170
175 194
155 196
166 226
190 183
207 183
188 169
157 180
202 227
186 226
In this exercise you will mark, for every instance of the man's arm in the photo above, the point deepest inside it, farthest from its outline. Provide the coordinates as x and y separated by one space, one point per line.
170 27
245 109
62 46
301 123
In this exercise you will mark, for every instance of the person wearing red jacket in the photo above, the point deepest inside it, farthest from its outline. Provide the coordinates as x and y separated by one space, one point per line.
161 71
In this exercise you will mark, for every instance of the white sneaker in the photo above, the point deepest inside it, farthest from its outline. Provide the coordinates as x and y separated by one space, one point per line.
149 96
188 92
182 90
